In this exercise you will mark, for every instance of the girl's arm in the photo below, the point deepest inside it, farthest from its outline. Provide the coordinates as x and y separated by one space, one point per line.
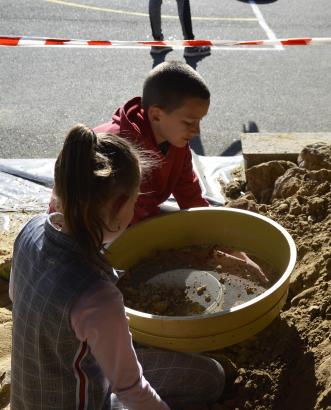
99 319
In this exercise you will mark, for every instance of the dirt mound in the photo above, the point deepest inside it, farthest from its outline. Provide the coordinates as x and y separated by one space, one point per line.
315 156
10 224
288 365
261 178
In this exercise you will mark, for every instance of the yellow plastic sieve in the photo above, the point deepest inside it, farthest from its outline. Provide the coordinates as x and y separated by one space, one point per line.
235 228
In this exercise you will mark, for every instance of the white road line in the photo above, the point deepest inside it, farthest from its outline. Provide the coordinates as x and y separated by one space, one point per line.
134 13
271 35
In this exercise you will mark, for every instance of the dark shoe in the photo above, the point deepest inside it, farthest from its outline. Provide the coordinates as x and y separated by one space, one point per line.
197 51
156 50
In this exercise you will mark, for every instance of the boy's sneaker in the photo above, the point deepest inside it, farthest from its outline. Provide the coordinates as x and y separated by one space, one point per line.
156 50
197 51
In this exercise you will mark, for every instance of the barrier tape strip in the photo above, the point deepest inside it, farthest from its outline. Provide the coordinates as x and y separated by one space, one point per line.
24 41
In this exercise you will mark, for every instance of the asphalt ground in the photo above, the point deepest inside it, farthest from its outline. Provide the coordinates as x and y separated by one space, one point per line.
45 91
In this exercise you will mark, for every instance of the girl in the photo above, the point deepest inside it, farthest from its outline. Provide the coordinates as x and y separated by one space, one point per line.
71 343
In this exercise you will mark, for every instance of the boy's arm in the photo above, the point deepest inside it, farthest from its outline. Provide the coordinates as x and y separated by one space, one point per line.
98 318
147 206
187 190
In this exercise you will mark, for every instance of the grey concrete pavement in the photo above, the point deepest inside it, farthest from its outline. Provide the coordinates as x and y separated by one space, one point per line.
44 91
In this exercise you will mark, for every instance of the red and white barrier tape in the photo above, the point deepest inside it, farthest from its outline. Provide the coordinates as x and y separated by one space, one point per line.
24 41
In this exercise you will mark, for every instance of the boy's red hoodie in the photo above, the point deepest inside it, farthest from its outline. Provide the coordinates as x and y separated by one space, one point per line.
173 175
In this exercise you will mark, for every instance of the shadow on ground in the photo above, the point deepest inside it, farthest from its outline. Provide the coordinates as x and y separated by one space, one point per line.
273 367
192 61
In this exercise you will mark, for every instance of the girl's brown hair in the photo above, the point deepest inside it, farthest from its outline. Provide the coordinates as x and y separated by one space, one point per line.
91 170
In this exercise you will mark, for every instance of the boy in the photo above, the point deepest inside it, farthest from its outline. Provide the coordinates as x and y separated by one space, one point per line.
175 99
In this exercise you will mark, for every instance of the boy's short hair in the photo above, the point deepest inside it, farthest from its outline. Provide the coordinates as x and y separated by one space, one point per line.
170 83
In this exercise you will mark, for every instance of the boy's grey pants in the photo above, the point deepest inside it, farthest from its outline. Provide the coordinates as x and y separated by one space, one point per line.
184 13
180 379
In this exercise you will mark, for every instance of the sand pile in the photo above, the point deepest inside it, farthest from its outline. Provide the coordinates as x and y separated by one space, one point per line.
288 365
10 224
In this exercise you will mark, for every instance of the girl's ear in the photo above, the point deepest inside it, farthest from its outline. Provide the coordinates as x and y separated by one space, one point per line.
154 113
119 202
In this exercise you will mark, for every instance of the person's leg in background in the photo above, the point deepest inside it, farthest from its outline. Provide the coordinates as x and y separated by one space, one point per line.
184 13
154 9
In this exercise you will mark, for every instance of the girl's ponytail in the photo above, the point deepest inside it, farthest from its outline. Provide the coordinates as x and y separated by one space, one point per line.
73 181
75 164
84 182
90 171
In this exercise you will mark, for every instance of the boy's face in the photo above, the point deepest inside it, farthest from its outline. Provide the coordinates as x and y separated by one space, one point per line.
181 125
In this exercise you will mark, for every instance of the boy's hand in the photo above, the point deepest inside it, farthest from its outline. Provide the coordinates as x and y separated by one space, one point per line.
239 264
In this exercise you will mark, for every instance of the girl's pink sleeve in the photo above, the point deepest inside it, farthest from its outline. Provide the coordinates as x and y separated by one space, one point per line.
98 318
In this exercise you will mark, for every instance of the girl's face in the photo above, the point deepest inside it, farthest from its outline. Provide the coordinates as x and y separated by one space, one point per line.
119 222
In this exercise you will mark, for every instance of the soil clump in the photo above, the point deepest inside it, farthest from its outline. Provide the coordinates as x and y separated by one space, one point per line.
288 365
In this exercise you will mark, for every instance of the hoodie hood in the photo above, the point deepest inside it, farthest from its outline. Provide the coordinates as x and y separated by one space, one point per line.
131 119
